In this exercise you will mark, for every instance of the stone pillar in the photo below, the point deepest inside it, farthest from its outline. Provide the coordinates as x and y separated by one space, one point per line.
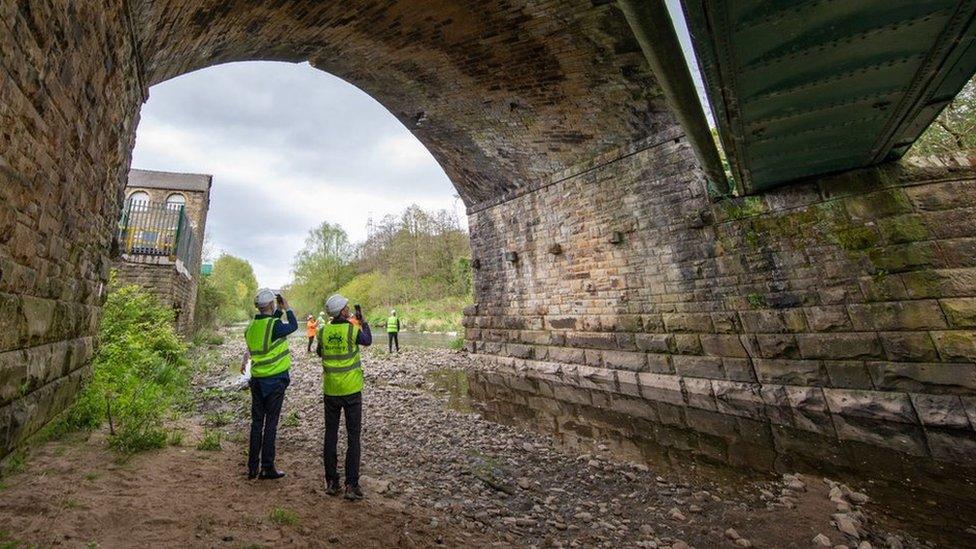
68 118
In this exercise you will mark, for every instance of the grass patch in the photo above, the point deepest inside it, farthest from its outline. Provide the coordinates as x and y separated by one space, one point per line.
457 344
92 476
14 463
283 517
175 438
210 441
218 419
291 420
7 542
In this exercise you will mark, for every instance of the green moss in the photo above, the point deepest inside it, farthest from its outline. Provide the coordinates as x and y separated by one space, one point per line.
855 238
878 205
752 239
904 228
742 208
756 301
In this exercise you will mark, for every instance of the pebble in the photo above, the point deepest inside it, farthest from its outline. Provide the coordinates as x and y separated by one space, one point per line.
797 485
858 498
675 514
732 534
894 543
584 516
821 540
743 542
846 525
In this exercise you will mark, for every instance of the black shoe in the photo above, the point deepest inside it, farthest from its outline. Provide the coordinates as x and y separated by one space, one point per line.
251 475
353 492
270 474
333 488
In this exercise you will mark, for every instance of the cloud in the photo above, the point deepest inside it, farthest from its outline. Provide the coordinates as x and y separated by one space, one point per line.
289 146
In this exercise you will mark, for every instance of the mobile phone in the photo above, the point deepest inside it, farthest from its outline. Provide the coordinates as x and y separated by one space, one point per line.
359 311
280 299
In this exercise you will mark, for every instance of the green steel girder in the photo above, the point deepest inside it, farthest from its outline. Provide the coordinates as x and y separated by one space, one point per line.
807 87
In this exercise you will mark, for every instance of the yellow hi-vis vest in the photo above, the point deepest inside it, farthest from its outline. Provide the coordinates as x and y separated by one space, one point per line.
391 325
342 368
268 357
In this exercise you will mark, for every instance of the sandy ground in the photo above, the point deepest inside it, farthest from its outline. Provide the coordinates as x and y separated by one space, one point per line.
427 483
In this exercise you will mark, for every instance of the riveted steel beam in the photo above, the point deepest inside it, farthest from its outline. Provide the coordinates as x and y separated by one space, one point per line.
651 24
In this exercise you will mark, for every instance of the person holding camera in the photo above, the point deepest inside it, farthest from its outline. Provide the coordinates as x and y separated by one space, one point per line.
266 337
342 386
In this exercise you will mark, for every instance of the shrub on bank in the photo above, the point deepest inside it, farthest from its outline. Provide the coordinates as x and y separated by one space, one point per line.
139 373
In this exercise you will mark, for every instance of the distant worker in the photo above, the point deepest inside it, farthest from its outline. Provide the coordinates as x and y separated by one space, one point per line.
322 319
342 387
311 328
393 331
267 343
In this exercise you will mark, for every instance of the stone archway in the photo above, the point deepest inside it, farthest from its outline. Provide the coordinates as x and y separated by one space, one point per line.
601 259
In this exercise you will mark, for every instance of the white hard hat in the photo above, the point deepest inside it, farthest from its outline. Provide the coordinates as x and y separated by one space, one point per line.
335 303
392 311
264 297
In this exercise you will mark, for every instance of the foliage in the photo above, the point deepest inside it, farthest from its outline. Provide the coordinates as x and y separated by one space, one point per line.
955 127
140 372
320 268
417 262
209 302
210 442
234 285
434 315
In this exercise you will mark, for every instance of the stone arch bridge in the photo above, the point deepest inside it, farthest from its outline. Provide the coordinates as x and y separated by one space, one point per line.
609 253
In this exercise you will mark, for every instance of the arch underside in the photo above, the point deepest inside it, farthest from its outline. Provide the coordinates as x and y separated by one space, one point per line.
503 93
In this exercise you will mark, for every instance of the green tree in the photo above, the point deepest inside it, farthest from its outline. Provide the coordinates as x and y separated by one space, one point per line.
953 129
234 282
320 268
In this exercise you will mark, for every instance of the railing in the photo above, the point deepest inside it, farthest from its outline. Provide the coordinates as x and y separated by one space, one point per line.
160 230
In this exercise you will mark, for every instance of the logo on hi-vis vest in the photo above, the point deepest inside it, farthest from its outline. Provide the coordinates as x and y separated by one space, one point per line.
335 339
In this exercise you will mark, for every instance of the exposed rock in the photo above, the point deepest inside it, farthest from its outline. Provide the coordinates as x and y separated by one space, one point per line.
821 540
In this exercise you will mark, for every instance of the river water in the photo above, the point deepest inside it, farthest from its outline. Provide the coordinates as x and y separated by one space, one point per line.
921 481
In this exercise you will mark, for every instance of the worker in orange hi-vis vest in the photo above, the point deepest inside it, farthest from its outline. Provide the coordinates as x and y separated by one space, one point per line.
311 327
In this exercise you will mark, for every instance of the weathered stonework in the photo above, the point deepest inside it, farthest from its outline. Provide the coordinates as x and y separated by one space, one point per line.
846 297
849 296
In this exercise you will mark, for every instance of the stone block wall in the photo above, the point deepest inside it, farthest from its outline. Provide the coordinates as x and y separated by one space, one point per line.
67 121
852 295
170 283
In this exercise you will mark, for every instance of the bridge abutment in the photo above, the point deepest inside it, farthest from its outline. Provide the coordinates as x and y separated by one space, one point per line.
844 298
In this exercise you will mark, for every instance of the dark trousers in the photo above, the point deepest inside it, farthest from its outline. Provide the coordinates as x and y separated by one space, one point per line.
267 396
394 337
311 340
352 405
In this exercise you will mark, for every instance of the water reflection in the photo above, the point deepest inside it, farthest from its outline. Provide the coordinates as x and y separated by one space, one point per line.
924 479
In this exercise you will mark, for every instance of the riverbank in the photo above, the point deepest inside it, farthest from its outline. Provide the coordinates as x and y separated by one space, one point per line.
437 472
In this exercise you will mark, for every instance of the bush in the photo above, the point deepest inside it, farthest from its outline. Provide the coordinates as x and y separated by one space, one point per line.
139 373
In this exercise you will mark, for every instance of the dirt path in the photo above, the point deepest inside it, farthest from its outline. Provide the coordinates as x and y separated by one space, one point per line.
435 475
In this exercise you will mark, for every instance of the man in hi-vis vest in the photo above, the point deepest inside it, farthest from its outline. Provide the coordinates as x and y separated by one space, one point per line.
342 386
267 343
393 330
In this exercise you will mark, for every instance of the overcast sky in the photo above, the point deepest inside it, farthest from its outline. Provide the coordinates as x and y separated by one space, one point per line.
289 146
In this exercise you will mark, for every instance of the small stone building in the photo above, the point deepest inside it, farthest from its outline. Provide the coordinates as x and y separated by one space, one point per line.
160 234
